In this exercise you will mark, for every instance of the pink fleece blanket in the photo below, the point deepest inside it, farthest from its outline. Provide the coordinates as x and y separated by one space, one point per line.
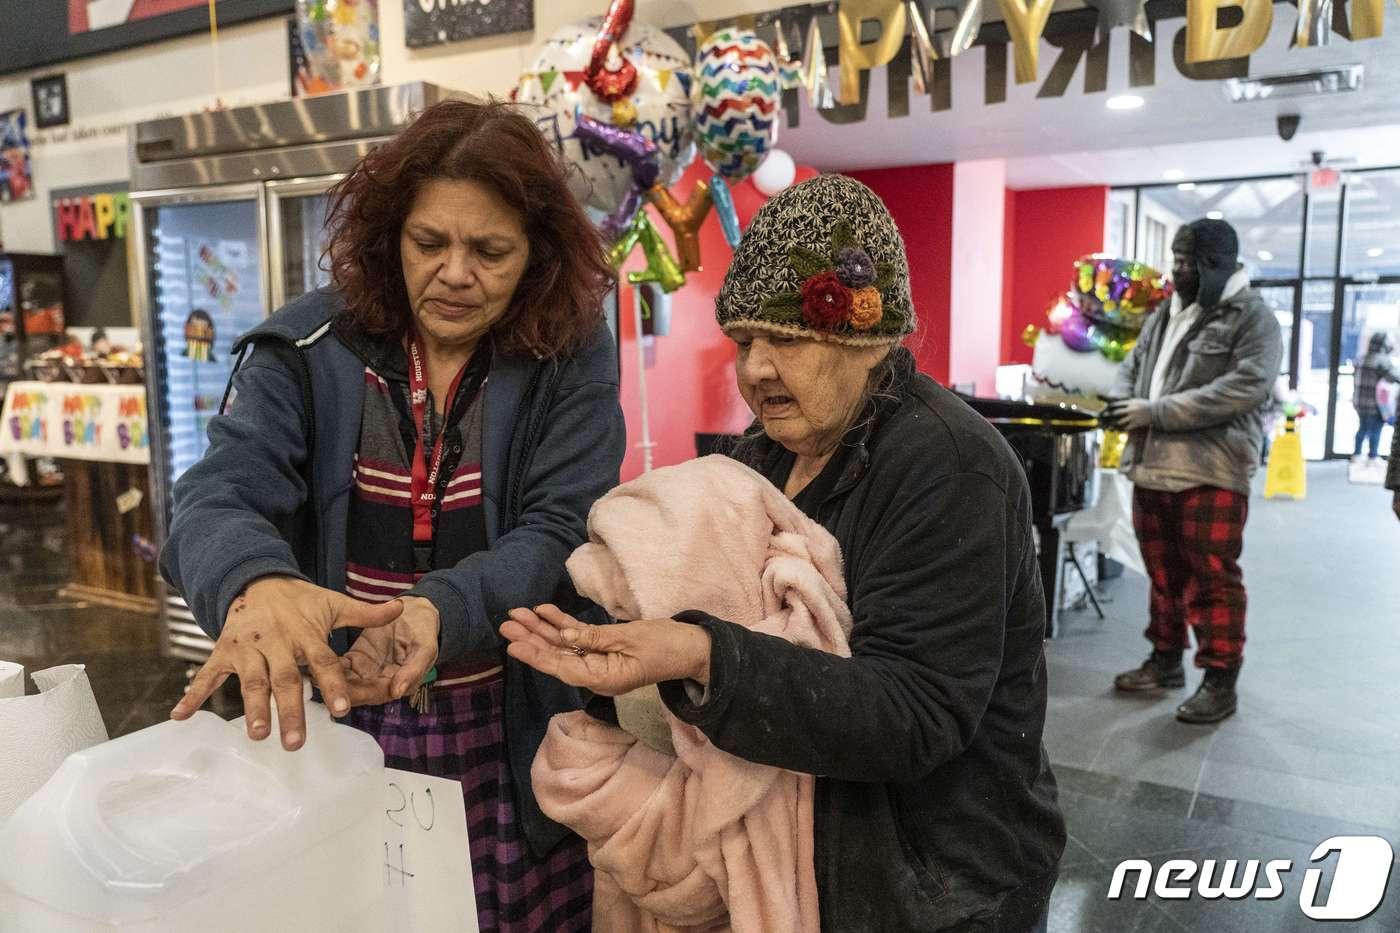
700 840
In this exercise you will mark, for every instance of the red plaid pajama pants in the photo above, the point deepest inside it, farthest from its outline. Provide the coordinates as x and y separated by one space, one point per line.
1191 543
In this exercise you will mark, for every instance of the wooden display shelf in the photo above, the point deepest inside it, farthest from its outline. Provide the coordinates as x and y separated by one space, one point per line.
93 594
19 496
104 563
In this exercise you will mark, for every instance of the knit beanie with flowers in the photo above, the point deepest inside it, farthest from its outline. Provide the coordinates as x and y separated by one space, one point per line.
824 260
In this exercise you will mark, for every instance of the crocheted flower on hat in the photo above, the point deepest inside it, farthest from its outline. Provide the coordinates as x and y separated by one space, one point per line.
854 267
826 302
840 292
867 308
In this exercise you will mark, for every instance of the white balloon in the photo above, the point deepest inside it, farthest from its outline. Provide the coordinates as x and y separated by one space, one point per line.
776 173
1058 371
554 88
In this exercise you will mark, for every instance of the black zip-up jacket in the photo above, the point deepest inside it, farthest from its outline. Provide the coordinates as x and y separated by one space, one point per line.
935 804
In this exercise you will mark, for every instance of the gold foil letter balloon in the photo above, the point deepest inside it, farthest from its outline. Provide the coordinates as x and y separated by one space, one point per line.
1025 20
857 56
1207 42
684 220
1367 18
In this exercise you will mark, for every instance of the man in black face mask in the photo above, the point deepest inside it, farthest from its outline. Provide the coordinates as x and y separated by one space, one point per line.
1191 396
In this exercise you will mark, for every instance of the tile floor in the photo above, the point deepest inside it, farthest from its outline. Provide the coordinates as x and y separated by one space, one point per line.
1313 752
135 686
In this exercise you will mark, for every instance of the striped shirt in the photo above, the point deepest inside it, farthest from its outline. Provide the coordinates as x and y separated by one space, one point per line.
381 560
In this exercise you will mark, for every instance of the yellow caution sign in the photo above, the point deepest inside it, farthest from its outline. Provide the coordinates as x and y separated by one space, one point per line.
1287 474
1111 453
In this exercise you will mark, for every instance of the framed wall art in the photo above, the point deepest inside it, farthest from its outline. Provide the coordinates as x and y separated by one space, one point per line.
44 32
435 22
50 101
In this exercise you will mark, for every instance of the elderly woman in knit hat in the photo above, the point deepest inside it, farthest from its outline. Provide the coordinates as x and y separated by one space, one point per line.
935 805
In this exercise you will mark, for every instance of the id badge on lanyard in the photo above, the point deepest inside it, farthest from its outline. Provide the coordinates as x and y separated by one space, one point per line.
427 466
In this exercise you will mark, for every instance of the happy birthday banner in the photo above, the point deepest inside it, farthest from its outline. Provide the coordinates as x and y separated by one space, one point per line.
918 38
106 423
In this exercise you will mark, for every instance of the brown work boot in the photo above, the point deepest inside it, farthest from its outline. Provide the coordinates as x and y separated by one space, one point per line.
1161 669
1214 700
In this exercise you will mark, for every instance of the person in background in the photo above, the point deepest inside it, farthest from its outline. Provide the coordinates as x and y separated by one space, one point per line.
411 453
1191 395
1376 366
1392 476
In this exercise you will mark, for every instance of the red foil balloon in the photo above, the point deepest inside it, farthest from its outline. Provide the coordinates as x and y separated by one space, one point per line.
612 85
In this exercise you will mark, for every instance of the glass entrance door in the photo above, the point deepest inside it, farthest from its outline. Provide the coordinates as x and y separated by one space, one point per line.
1326 258
1366 297
1367 308
1315 365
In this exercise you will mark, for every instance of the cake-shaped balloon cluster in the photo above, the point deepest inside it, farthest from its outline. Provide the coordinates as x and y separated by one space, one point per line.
1107 305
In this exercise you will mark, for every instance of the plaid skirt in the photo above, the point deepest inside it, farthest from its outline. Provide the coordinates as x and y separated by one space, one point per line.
462 738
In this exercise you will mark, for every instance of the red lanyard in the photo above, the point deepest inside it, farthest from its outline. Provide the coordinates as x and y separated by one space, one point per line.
424 484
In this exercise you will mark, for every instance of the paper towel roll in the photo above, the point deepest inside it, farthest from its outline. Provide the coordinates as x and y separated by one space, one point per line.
38 732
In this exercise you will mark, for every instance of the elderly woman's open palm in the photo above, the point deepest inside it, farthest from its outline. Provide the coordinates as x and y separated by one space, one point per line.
607 659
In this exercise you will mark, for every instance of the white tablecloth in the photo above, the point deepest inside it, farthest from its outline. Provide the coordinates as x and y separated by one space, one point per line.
1110 522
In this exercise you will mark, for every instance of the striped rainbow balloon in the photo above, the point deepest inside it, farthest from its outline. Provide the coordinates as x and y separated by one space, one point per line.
737 96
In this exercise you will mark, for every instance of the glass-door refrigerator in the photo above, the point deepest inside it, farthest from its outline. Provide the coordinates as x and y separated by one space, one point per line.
296 244
228 215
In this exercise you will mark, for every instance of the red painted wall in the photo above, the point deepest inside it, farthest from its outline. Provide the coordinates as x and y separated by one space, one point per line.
689 372
1009 340
1046 230
920 197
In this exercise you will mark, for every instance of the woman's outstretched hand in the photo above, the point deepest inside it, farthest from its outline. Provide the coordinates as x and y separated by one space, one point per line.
607 659
276 626
387 663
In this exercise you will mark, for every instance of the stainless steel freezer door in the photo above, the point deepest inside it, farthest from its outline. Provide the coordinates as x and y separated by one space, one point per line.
199 259
296 236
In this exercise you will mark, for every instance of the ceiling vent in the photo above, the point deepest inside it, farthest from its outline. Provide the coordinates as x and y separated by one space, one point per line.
1333 80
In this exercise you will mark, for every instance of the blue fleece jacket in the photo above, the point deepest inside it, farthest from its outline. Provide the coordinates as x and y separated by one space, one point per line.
271 496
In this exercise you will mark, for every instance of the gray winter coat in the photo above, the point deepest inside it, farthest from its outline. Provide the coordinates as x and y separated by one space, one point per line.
1207 426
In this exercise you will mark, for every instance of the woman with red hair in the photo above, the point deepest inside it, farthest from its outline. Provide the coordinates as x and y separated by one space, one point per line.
409 454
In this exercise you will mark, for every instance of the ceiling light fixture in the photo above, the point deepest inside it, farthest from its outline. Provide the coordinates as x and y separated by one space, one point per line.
1124 102
1265 256
1335 80
1173 174
1375 251
1186 186
1214 215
